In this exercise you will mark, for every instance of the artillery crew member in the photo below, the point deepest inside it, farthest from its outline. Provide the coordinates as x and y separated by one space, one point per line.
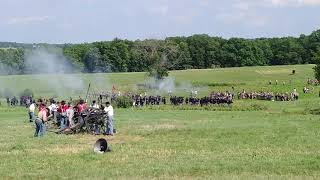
109 121
95 105
63 114
53 110
32 108
41 121
70 114
81 106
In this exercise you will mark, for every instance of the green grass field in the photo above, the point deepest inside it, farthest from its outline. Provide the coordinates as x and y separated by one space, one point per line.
279 141
249 78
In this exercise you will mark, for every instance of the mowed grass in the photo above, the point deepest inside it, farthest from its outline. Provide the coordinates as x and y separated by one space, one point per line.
281 141
169 144
249 78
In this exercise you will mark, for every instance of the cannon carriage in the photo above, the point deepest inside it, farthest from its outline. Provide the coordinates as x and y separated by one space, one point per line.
87 121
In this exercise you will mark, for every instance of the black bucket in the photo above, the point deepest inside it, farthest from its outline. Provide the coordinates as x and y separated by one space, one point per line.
101 146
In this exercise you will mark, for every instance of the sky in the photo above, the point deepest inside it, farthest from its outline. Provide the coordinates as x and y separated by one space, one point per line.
78 21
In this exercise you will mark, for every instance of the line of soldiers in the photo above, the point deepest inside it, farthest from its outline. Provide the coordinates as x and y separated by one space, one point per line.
256 95
178 100
24 101
307 89
213 98
269 96
12 102
100 96
314 82
139 100
285 97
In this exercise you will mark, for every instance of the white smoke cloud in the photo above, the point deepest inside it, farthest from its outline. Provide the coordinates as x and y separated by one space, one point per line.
55 70
50 73
170 85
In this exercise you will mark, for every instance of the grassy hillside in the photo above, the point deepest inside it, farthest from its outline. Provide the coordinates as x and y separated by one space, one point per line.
249 78
281 140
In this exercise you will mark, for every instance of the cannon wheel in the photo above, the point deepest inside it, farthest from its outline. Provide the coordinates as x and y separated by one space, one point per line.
78 124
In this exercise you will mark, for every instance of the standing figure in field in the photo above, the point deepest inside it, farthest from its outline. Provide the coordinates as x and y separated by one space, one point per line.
70 114
8 101
109 121
14 101
81 106
100 99
63 114
295 94
32 108
41 121
53 110
95 104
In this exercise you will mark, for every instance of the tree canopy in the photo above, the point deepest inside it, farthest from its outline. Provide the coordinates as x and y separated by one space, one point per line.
173 53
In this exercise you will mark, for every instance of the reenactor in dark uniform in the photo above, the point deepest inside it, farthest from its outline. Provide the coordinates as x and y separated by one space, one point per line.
8 101
164 101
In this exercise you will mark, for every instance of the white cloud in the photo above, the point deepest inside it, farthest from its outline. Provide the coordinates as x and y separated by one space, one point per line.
290 3
247 18
295 2
247 11
27 19
252 4
244 12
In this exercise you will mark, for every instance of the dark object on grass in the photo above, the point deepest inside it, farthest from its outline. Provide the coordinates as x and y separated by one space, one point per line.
293 71
101 146
88 121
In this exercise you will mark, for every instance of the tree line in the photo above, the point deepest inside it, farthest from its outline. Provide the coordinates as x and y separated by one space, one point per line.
172 53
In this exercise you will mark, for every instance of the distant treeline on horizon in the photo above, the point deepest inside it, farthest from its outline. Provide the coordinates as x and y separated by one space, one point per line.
172 53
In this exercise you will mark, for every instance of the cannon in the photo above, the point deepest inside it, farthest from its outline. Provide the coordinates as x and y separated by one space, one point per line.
87 121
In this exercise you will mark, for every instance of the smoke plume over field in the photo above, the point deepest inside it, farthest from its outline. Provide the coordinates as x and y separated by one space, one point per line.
48 68
169 84
55 70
